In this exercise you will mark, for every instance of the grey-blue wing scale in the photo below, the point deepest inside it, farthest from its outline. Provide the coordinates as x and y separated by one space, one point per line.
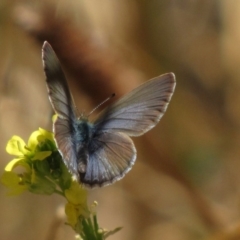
62 103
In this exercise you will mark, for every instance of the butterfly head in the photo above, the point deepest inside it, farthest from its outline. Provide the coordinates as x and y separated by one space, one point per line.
83 117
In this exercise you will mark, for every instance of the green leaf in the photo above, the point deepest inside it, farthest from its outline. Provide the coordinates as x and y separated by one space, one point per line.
41 185
41 167
66 178
41 155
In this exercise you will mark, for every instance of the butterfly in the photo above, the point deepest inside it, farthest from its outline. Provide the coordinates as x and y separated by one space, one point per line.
101 152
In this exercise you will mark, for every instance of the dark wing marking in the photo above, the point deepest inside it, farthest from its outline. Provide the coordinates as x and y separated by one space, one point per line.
58 90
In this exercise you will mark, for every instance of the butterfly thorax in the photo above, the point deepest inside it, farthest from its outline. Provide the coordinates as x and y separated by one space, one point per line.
83 131
83 135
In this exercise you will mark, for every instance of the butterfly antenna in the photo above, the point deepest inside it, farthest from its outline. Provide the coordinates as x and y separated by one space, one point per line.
113 95
76 110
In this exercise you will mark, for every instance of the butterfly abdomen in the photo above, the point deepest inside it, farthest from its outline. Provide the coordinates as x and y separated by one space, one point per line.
83 134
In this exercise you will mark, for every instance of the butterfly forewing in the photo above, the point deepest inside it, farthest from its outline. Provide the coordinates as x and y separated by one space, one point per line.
58 90
62 104
141 109
111 156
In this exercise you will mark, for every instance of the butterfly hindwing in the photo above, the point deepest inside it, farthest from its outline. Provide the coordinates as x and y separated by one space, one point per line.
66 145
111 156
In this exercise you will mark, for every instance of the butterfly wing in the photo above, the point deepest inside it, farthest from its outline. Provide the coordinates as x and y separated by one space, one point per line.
141 109
111 156
58 90
111 151
62 104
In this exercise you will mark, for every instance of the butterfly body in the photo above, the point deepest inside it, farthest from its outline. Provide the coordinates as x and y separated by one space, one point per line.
101 152
82 135
83 131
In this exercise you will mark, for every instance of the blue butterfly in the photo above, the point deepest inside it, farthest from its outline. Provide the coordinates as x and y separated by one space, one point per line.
101 152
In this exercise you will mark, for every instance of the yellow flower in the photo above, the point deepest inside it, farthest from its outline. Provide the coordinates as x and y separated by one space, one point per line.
17 147
76 194
76 209
36 172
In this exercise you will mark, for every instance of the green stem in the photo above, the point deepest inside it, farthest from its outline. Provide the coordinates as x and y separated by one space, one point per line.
59 192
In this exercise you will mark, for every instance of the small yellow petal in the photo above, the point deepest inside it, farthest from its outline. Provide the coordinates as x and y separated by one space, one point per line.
18 190
46 134
33 140
11 180
76 194
72 214
83 211
16 146
17 162
11 164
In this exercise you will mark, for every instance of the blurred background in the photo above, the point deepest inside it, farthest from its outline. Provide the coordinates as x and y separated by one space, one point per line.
185 184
